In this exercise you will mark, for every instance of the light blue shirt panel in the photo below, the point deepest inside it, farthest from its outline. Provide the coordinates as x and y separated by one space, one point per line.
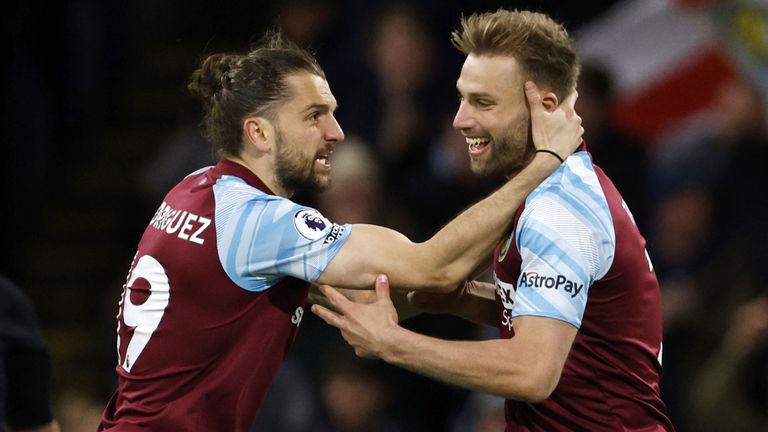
566 240
263 238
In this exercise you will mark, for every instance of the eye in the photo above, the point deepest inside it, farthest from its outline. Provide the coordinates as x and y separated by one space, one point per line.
483 103
314 116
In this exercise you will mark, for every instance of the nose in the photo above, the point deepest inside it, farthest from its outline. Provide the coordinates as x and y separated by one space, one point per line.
333 131
463 119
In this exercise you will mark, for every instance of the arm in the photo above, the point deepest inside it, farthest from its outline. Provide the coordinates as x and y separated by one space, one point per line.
445 260
526 367
400 298
474 301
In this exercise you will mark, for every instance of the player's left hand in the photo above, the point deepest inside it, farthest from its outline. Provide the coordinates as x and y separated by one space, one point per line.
558 130
364 326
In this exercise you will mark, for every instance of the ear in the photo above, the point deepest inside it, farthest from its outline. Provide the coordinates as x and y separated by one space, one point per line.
549 101
257 132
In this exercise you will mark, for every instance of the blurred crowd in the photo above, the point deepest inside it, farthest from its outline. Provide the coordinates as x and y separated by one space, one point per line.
100 129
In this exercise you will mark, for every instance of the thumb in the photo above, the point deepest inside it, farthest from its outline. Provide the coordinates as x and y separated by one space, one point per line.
536 108
382 287
533 96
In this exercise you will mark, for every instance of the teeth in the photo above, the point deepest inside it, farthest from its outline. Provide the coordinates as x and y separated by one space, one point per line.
477 141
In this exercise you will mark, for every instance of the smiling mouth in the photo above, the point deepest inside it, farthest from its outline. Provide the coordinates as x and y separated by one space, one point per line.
324 159
477 146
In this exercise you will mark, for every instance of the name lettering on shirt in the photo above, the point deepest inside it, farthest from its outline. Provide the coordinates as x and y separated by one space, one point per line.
186 225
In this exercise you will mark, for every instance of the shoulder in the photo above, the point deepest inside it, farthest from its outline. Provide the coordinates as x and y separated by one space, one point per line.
569 212
573 192
234 196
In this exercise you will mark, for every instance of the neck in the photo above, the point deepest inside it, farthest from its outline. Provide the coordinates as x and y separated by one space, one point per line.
263 169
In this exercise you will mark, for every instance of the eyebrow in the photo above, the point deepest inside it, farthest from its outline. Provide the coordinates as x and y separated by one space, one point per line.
479 95
474 95
320 107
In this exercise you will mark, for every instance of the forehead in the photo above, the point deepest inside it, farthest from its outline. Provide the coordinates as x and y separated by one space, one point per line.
308 89
491 74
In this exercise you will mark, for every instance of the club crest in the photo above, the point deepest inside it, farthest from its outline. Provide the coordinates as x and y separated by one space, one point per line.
505 247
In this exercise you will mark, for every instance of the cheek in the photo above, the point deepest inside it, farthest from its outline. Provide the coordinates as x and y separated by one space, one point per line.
309 139
302 144
510 121
518 128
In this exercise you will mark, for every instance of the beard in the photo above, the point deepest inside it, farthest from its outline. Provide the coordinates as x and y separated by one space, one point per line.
293 170
511 152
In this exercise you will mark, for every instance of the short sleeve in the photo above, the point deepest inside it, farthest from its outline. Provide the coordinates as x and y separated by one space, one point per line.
566 241
263 238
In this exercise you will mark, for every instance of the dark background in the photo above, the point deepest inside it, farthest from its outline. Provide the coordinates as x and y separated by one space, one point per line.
94 93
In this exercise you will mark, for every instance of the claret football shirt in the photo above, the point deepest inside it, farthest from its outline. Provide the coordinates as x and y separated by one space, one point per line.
213 302
576 255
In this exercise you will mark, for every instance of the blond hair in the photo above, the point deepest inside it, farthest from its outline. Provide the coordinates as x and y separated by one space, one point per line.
540 45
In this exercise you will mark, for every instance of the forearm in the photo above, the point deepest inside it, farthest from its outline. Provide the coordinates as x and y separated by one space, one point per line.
458 248
526 367
474 365
405 309
478 304
447 259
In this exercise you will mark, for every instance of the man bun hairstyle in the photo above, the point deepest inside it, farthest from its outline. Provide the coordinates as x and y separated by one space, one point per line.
540 45
233 86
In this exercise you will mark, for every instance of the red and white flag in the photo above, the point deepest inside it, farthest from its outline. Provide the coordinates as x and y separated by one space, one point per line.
669 58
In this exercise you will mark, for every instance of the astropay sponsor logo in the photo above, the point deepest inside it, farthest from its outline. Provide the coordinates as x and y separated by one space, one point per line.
559 282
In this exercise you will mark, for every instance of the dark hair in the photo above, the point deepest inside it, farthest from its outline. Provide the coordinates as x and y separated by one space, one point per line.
234 86
541 45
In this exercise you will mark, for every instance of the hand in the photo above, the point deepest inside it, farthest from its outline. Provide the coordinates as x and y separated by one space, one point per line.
559 131
364 326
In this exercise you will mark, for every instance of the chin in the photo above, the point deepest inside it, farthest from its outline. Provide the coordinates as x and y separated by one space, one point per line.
483 169
318 183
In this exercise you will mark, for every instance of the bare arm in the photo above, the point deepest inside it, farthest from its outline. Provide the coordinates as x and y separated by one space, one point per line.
474 301
526 367
445 260
400 298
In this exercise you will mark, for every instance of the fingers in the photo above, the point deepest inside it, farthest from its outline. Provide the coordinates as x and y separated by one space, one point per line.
382 287
328 316
570 103
533 96
336 298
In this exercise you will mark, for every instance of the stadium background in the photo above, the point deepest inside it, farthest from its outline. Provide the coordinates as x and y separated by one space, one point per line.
98 126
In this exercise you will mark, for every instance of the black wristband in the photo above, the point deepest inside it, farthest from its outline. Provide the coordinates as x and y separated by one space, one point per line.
552 153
